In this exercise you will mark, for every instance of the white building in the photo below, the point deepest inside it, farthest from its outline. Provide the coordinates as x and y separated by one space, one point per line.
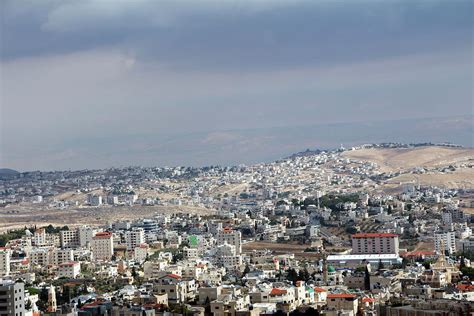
12 298
227 256
60 256
103 246
449 241
141 252
5 255
86 234
39 237
231 237
94 200
40 256
69 269
69 238
375 243
134 238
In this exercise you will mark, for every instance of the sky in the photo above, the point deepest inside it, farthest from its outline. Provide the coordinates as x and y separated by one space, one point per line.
101 83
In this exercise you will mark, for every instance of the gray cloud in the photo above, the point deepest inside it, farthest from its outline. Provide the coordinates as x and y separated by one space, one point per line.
75 73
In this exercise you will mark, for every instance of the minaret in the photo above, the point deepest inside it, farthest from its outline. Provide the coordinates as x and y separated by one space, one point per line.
325 270
52 308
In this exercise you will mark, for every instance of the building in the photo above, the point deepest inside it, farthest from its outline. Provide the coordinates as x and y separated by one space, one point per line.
140 252
231 237
40 257
86 234
39 237
134 238
103 246
5 255
60 256
375 243
448 239
342 302
69 238
94 200
69 270
12 298
354 261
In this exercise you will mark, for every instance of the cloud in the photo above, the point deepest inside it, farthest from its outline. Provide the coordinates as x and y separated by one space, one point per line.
76 74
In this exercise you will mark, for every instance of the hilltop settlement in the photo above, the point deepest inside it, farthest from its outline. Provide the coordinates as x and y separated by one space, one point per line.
317 233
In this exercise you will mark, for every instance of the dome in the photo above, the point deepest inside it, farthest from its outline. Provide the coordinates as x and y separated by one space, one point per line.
331 269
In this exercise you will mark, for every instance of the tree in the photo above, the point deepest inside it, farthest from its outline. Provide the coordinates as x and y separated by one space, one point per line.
246 270
367 279
207 306
307 276
292 275
462 264
301 275
28 305
43 299
381 266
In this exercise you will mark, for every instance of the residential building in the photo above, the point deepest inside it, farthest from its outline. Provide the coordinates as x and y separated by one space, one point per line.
134 238
375 243
12 298
446 240
69 269
5 255
103 246
231 237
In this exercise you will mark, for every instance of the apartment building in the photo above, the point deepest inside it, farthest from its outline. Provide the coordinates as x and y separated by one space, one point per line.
69 269
103 246
448 239
12 298
69 238
375 243
231 237
134 238
5 255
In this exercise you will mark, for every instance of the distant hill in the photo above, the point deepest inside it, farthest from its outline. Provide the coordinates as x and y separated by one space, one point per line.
6 173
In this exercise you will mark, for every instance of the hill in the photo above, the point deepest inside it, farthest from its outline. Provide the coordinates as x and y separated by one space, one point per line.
433 159
6 173
404 159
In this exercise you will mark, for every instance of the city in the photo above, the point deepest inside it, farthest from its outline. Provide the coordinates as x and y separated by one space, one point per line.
319 232
236 157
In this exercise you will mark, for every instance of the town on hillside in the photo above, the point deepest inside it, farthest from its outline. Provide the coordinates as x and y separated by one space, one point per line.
378 229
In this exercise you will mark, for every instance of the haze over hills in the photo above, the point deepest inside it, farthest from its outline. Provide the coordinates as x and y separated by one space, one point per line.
233 147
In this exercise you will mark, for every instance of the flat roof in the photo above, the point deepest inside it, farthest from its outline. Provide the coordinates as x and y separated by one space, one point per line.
387 256
373 235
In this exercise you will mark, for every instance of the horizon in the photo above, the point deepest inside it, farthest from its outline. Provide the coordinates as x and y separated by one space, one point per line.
302 151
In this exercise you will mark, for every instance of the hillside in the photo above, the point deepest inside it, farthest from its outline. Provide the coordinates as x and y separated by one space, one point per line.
6 173
404 159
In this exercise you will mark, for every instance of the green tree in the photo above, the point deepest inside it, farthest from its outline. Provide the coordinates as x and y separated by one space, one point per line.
292 275
367 279
381 266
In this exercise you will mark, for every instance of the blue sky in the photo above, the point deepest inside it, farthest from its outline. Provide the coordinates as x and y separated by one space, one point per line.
80 76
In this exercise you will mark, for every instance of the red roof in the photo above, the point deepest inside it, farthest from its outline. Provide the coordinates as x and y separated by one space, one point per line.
418 253
227 229
341 295
319 289
368 300
276 291
372 235
70 263
103 235
174 276
465 287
